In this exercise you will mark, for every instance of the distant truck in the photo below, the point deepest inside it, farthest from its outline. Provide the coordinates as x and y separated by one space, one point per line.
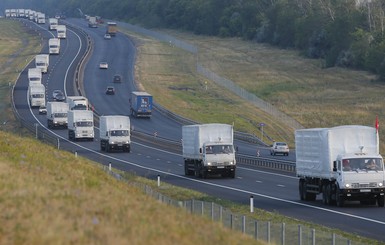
115 133
54 45
42 62
341 163
77 102
36 95
141 104
57 114
112 28
208 149
53 23
34 76
92 22
80 125
61 31
40 18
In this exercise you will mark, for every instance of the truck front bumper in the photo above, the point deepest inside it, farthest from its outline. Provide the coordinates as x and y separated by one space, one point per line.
220 169
362 194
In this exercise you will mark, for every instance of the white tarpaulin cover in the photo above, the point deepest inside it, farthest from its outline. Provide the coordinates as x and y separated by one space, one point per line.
317 148
194 136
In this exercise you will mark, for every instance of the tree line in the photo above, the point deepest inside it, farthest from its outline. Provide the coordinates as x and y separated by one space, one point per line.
345 33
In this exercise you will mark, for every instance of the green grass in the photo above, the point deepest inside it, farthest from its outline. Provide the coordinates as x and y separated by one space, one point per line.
299 87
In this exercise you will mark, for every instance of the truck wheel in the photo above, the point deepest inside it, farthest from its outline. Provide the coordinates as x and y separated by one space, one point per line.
107 147
186 171
380 201
300 188
232 174
101 146
129 149
339 199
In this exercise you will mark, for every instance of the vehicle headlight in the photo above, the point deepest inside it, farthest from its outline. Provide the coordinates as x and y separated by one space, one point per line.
209 163
380 184
347 185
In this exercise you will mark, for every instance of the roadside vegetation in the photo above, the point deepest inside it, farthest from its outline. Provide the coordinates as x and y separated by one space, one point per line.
54 197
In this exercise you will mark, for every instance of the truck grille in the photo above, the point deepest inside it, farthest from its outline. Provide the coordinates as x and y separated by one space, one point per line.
364 185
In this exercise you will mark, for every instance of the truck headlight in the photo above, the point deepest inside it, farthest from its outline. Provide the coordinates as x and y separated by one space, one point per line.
347 185
380 184
209 163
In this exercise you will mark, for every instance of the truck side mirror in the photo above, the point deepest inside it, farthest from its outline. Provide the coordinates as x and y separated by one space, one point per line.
334 166
200 150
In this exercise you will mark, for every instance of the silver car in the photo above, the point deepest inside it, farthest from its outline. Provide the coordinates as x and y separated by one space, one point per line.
279 148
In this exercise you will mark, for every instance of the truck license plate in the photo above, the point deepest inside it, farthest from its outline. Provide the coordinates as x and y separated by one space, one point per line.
365 190
220 167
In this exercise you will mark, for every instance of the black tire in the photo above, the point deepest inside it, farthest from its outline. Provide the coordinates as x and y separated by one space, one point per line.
186 171
101 146
380 201
340 200
232 174
300 188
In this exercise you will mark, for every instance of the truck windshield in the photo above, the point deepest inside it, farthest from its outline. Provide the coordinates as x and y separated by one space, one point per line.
80 107
219 149
365 164
119 133
60 115
40 64
84 124
34 79
38 96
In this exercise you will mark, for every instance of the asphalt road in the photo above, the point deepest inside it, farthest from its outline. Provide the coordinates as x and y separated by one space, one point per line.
272 191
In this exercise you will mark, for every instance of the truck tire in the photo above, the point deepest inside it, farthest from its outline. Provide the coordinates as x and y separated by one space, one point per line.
326 195
232 174
380 201
340 200
300 188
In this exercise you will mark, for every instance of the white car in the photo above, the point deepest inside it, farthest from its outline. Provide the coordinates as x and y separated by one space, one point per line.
107 36
279 148
42 109
103 65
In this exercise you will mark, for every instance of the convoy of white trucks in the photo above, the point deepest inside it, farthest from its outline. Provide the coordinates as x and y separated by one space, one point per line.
208 149
114 133
80 125
42 62
57 114
335 162
54 45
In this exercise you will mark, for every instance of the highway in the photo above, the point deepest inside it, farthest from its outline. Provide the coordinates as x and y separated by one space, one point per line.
272 190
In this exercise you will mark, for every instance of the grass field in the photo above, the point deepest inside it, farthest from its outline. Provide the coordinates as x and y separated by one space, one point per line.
18 47
299 87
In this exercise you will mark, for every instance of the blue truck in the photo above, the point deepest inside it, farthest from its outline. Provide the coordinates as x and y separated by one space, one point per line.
141 104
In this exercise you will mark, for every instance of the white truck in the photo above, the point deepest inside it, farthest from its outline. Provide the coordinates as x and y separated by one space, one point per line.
42 62
54 45
61 31
208 149
343 163
77 102
57 114
80 125
34 76
53 23
40 18
115 133
36 95
92 22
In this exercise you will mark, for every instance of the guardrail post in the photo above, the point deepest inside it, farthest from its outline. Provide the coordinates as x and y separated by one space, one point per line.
251 204
299 235
158 180
283 233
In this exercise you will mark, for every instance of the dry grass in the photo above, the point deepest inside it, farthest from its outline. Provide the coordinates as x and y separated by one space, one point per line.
18 46
299 87
55 198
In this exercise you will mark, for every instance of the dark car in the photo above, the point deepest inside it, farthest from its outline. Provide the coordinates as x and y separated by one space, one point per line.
117 78
59 96
110 90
